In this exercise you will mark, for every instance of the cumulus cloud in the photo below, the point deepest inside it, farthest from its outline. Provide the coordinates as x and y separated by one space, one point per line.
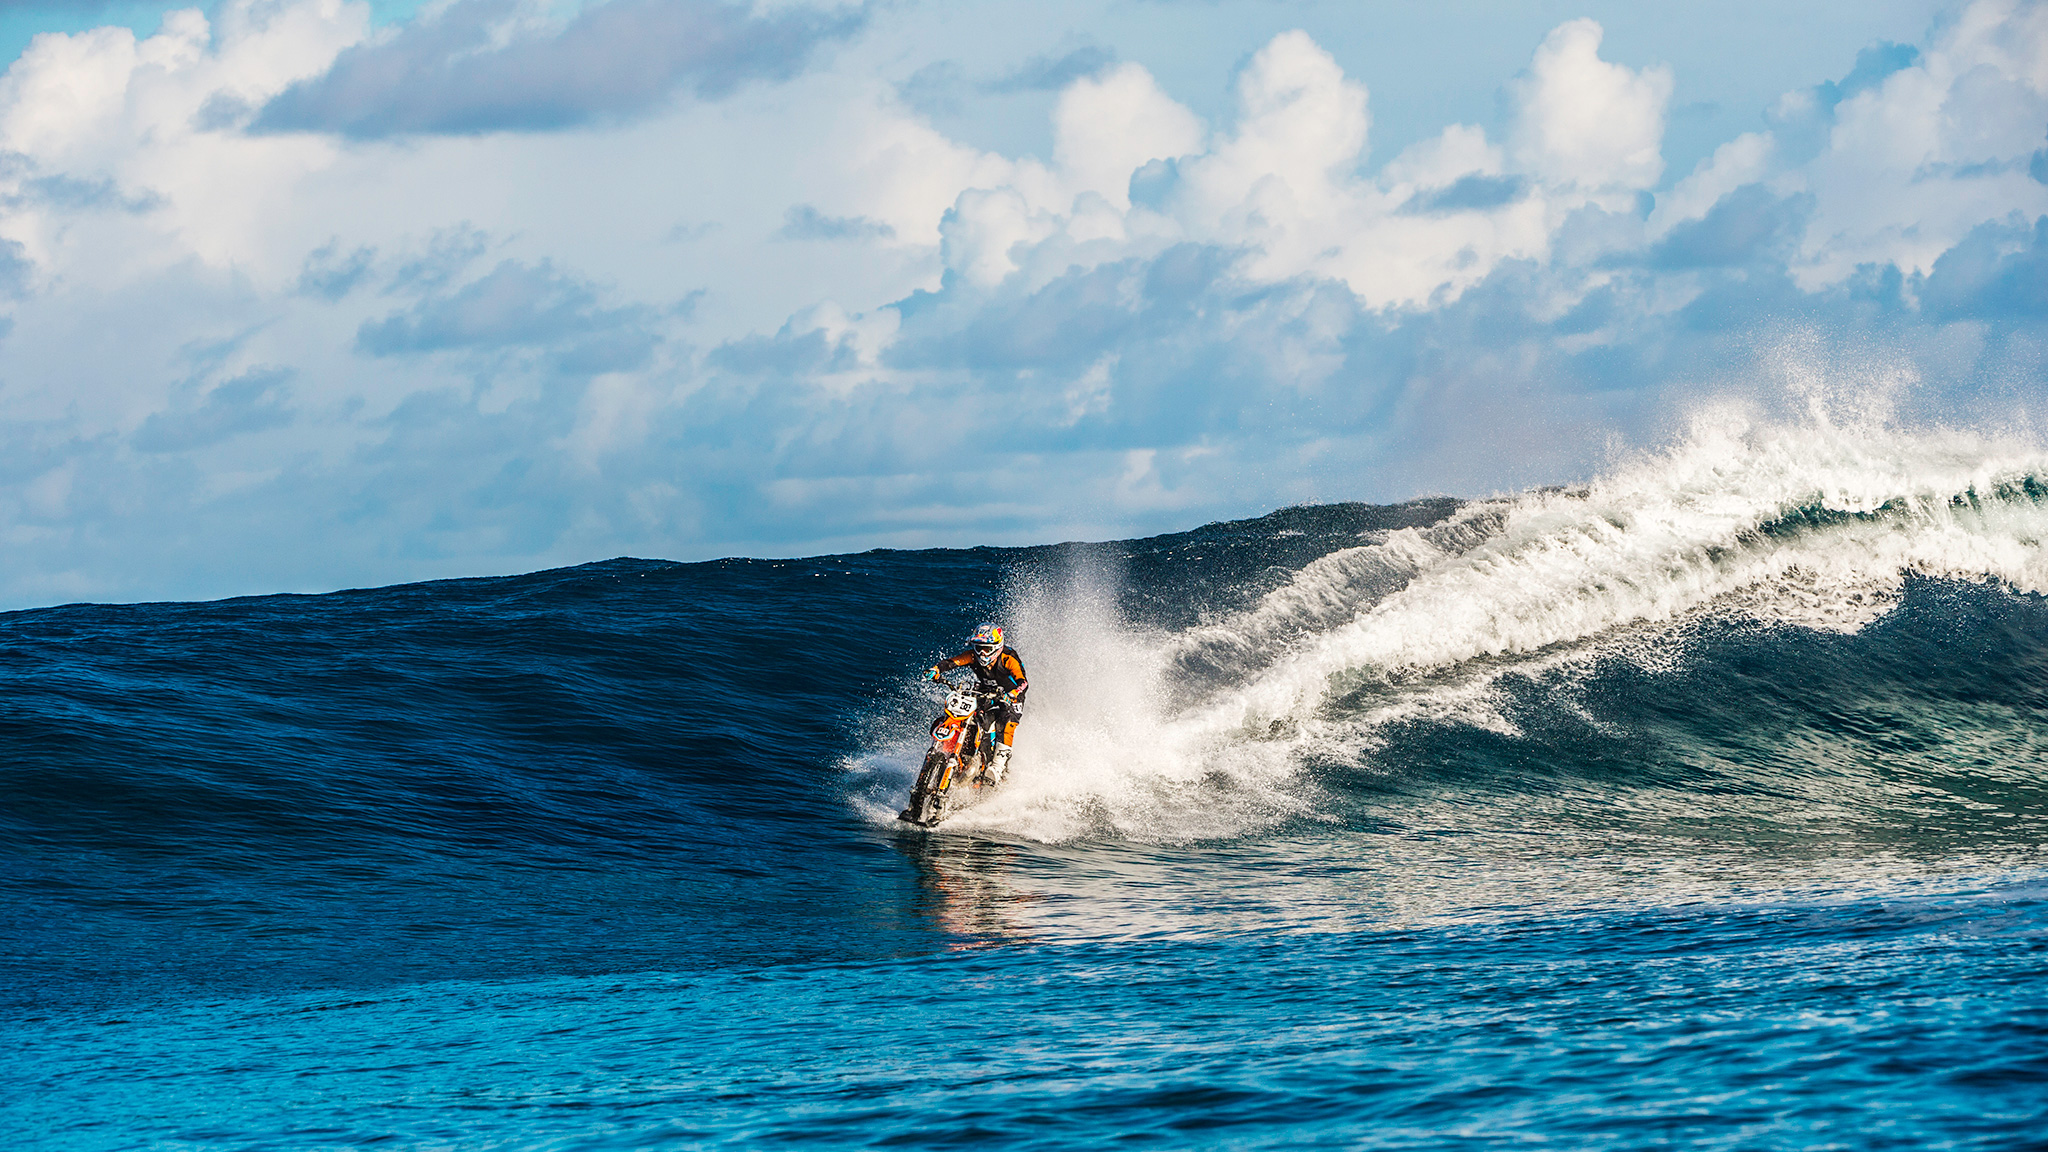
1999 271
1284 187
1916 160
1743 160
1919 148
249 360
1107 126
1586 122
1749 225
483 66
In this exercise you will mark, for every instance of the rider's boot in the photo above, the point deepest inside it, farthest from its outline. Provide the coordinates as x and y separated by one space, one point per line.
998 765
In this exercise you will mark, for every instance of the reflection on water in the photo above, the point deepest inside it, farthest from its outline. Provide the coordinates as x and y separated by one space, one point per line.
963 888
1462 860
1775 766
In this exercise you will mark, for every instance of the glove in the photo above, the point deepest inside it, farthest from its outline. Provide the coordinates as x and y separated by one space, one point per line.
936 676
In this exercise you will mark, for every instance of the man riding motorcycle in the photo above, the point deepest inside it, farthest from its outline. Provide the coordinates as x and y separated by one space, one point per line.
998 668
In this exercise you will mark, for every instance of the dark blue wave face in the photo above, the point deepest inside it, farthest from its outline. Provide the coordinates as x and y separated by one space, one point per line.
1923 733
615 767
621 766
630 820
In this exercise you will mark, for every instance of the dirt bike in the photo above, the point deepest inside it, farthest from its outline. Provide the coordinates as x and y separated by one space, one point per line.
963 750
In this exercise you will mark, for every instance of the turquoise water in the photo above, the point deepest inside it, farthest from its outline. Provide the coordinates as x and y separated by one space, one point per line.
1908 1020
1545 821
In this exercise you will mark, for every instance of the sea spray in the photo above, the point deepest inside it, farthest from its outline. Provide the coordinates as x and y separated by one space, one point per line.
1211 730
603 857
1102 749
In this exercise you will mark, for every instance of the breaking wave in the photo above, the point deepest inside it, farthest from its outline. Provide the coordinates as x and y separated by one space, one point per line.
1749 731
1738 536
1777 656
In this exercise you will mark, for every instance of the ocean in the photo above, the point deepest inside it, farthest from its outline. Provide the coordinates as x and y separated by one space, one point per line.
1701 805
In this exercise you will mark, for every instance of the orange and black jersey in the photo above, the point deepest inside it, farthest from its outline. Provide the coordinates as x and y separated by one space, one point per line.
1006 674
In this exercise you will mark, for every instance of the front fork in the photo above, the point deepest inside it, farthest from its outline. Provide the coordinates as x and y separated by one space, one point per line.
937 774
935 778
939 768
973 759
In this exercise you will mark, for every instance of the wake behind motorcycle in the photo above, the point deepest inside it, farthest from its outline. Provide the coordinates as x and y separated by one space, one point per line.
962 751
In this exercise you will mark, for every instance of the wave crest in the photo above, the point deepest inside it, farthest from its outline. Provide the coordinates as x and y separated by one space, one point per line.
1205 731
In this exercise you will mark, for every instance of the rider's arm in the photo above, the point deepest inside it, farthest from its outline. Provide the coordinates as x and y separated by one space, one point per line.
1015 668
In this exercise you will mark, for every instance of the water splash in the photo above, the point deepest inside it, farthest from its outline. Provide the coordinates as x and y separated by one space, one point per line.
1815 526
1103 748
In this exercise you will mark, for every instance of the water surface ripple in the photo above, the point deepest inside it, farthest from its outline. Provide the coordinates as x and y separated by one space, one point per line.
1701 806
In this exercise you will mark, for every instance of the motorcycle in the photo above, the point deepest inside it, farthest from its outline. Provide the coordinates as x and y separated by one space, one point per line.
963 750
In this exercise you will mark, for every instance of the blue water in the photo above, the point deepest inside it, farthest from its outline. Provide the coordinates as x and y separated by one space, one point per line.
1541 821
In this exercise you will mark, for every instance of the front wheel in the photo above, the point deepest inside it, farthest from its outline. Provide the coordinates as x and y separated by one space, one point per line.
928 797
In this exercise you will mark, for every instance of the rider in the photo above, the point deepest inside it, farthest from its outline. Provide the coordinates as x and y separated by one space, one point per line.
996 667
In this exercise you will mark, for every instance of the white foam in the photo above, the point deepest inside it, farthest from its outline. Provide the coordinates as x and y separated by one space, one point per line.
1815 526
1675 533
1100 751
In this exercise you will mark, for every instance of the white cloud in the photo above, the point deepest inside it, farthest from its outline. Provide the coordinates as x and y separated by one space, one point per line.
1940 147
987 226
1301 128
1460 150
1283 184
295 360
1587 123
103 109
1743 160
1108 126
887 165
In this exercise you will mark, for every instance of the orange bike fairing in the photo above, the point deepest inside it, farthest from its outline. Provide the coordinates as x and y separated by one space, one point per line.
948 733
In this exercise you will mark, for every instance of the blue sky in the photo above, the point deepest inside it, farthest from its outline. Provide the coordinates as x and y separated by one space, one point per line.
300 294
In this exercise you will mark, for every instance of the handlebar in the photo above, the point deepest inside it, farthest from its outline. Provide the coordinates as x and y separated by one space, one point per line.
980 689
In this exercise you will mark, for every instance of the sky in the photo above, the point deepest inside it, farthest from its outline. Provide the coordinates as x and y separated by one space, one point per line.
301 294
